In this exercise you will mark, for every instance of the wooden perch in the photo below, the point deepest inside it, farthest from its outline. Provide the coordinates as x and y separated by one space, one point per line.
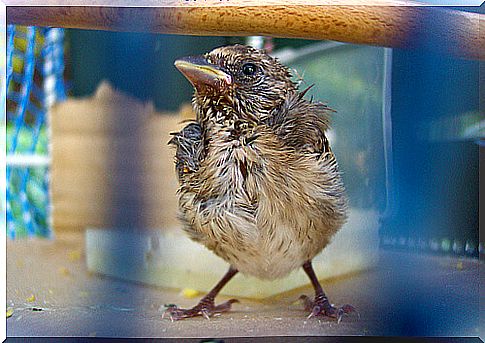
385 23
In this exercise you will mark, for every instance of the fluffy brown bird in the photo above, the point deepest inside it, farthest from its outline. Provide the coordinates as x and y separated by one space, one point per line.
259 184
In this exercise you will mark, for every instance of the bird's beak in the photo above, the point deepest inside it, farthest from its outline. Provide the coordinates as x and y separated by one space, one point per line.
202 73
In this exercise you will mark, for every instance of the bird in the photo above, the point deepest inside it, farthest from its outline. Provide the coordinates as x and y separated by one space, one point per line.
259 185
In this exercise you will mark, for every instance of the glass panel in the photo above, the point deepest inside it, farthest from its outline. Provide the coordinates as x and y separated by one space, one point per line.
350 79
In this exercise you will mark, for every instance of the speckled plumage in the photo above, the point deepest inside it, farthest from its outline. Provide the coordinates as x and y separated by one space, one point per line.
259 184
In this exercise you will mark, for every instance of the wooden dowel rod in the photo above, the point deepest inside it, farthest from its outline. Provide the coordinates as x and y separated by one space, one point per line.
454 32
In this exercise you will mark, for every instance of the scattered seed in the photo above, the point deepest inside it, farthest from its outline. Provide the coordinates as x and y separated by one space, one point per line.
190 293
64 271
74 255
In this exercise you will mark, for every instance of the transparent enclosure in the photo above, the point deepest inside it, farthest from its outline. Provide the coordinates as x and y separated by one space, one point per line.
354 81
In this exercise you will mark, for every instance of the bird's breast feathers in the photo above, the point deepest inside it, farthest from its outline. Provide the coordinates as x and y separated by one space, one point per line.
263 207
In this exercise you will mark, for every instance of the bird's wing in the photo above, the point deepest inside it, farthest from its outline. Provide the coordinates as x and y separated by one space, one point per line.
189 145
301 124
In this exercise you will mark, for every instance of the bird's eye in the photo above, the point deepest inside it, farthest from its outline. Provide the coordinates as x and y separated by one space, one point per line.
249 69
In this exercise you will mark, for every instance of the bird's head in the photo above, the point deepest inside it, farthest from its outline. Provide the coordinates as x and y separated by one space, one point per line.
238 77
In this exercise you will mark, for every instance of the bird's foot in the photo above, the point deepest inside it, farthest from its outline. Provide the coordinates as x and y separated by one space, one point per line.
206 308
321 307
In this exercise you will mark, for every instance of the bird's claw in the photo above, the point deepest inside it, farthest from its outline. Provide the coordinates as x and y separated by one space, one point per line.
205 308
205 313
315 312
321 307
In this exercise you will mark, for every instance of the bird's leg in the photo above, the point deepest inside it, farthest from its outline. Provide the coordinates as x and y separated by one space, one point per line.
321 306
206 306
